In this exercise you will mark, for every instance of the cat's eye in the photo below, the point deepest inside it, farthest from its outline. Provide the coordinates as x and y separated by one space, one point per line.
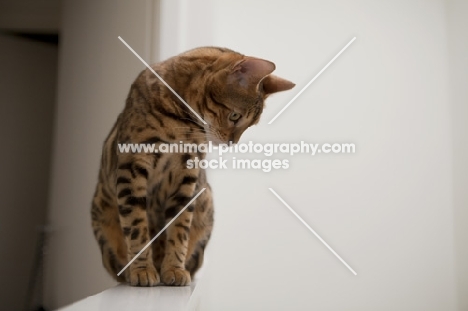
234 116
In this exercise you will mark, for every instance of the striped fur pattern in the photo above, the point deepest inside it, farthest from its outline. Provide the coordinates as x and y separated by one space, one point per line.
137 194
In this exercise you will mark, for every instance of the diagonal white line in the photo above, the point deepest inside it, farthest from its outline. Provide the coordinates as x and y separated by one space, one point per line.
313 79
159 77
162 230
312 230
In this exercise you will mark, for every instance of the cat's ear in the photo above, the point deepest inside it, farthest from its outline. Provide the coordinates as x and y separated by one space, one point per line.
250 71
273 84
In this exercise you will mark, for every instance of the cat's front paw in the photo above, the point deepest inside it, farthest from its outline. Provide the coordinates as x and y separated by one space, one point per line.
144 276
176 277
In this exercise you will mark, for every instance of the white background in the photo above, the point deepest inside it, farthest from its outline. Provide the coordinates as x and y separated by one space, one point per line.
394 210
386 209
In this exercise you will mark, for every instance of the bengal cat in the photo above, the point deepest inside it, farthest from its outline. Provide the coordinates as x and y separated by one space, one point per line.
139 193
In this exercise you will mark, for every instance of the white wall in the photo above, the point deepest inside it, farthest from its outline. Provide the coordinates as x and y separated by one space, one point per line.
458 47
27 98
387 209
95 74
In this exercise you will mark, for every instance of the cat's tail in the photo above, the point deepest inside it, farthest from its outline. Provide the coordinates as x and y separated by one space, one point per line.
108 234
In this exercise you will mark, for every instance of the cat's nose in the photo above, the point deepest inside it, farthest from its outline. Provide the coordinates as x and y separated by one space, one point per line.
232 139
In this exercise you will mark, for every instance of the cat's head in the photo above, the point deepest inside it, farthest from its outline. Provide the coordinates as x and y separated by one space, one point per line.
235 94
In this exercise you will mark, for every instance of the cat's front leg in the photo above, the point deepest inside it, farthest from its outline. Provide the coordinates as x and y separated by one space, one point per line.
173 266
131 186
173 270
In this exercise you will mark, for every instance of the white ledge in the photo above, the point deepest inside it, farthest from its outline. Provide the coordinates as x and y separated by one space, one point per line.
124 297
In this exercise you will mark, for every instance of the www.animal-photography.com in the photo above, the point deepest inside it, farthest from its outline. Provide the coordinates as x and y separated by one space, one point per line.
234 155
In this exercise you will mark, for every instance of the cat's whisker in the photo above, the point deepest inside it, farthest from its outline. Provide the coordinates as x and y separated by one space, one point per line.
191 129
194 121
204 128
